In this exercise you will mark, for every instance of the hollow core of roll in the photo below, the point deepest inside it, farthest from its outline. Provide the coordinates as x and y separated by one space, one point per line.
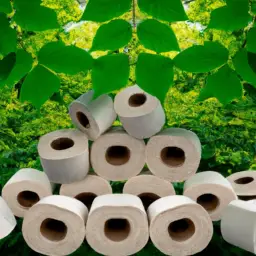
173 156
117 155
27 198
83 120
181 230
246 198
86 198
137 100
209 201
117 229
244 180
62 143
148 198
53 230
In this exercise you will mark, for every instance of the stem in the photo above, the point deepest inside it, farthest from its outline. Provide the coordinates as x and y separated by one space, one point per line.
134 14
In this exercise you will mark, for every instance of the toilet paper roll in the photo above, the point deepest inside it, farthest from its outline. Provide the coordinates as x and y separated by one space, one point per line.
238 224
25 188
7 219
148 188
92 117
87 190
64 155
179 226
55 225
244 184
117 225
174 154
211 190
117 156
141 114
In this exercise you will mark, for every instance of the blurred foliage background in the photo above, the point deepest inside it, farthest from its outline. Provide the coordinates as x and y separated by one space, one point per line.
228 134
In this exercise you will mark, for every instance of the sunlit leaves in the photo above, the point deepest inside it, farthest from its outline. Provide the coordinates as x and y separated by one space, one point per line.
5 6
6 66
157 36
39 85
64 59
251 40
104 10
154 74
112 36
202 58
110 73
223 85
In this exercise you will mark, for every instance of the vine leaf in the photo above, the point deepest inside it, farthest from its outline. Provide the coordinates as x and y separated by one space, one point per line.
154 74
5 6
104 10
64 59
251 40
170 11
202 58
112 36
110 73
8 36
31 16
234 16
223 85
157 36
252 61
6 66
39 85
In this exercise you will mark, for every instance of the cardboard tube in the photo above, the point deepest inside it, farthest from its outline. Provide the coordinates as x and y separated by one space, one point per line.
25 188
238 225
55 225
92 117
244 184
87 190
64 155
7 219
141 114
148 188
117 156
174 154
179 226
117 225
211 190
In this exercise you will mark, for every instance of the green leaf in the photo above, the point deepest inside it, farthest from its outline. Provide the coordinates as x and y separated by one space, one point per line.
64 59
223 85
6 66
251 40
112 36
253 7
154 74
170 11
252 61
202 58
23 65
5 6
104 10
31 16
39 86
110 73
8 36
157 36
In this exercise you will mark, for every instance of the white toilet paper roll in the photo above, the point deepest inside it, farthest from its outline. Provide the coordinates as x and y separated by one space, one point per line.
87 190
55 225
25 188
140 113
174 154
211 190
148 188
7 219
238 224
117 156
92 117
64 155
117 225
244 184
179 226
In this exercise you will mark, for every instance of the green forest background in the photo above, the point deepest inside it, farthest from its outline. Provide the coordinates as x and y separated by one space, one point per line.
227 134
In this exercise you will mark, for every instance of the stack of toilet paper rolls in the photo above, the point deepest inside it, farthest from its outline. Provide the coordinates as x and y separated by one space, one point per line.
119 224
